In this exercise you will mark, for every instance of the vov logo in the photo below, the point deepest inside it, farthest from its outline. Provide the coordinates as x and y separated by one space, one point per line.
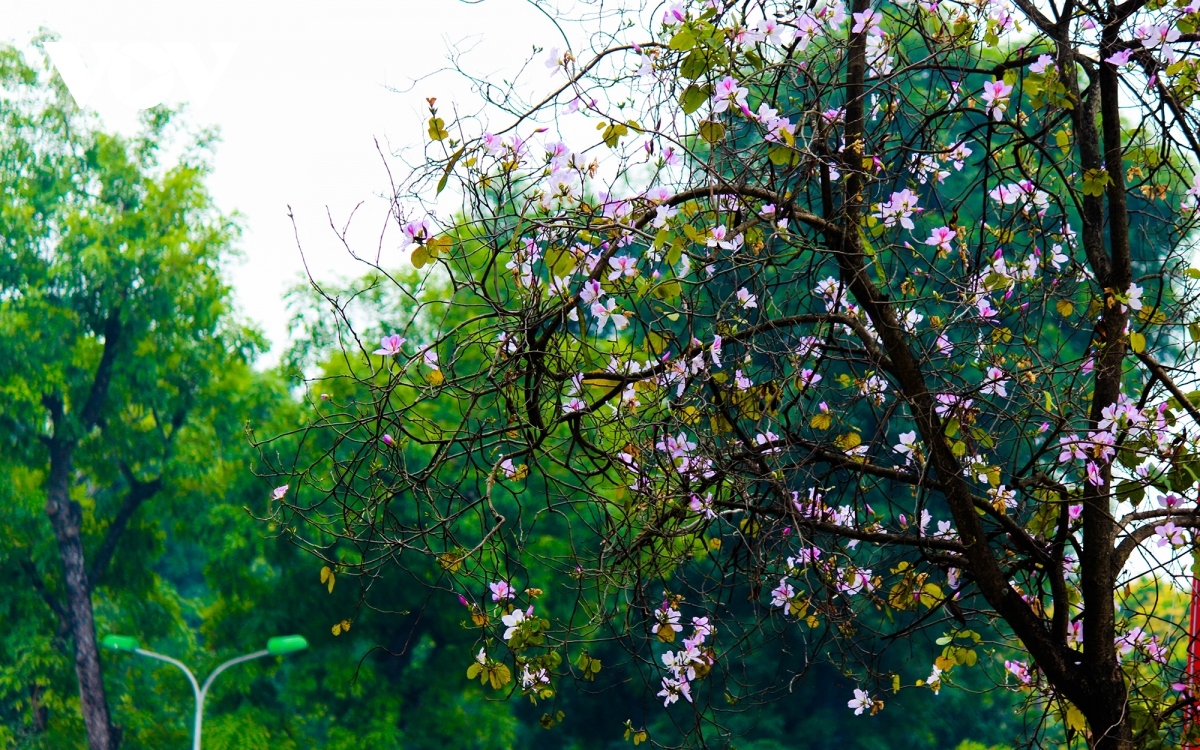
119 78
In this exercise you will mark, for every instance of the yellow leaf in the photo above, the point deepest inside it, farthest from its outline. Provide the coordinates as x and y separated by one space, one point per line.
437 129
931 594
849 441
1137 342
943 663
500 676
1075 719
993 475
435 377
689 415
337 629
821 421
895 683
420 256
1064 308
714 544
474 670
436 245
900 597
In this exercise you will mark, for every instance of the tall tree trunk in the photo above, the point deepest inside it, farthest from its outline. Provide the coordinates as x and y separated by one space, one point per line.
66 518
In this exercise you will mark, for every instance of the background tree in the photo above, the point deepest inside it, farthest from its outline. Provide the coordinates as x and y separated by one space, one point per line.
115 320
877 317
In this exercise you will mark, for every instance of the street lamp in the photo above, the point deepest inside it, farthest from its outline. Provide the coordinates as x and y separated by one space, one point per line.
277 646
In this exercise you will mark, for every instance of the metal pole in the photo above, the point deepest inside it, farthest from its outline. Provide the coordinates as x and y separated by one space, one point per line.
199 691
195 689
203 692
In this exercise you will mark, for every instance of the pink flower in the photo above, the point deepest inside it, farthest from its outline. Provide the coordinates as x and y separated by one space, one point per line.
1019 670
1120 58
279 492
501 591
941 237
782 596
996 94
1169 533
868 21
622 265
728 92
389 346
416 232
1043 62
388 440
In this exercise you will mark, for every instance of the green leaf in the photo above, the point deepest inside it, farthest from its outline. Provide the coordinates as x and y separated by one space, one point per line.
1094 181
695 65
1134 492
694 97
682 41
712 132
782 156
449 168
1063 139
612 134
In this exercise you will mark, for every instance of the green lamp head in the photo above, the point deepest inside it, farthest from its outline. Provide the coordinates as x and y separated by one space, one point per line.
120 642
286 644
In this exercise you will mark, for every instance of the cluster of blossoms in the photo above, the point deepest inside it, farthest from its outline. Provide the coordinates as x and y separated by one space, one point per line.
687 462
1099 446
689 663
600 277
1024 194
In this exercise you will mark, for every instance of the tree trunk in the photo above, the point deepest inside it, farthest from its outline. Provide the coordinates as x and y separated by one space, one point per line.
66 518
1111 729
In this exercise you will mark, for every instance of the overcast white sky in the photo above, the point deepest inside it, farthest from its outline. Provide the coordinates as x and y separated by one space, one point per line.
300 91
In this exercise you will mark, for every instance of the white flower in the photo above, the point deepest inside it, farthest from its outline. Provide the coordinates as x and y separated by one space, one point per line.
1135 297
995 383
513 620
604 313
746 299
860 702
907 446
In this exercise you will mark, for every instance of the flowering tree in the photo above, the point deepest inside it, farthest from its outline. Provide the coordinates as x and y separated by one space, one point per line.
879 316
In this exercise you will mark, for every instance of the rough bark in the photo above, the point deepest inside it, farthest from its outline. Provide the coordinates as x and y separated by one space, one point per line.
66 518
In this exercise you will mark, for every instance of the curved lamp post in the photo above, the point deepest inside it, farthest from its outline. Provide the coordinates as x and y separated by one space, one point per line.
278 646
